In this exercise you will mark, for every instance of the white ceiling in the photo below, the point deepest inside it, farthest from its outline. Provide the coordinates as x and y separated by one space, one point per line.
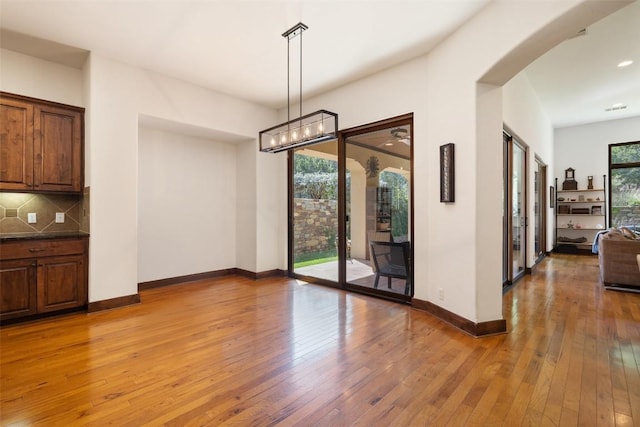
236 47
578 79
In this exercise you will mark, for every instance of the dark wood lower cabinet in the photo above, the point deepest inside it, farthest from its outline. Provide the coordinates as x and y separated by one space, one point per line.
18 288
60 282
53 278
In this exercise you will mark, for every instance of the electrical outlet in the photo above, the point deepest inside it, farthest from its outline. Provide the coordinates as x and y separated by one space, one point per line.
59 217
441 294
32 218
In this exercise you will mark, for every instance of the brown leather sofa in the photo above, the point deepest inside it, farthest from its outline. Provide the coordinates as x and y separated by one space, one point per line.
617 253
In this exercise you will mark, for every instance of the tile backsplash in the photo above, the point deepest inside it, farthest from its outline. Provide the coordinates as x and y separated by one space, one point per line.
15 207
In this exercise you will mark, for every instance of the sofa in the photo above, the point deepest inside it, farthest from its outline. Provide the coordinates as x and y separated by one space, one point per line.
617 255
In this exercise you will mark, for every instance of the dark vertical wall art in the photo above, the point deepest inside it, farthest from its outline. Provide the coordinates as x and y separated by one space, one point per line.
447 173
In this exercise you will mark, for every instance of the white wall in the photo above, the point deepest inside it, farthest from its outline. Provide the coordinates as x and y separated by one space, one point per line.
523 114
186 205
29 76
586 148
246 206
119 93
271 194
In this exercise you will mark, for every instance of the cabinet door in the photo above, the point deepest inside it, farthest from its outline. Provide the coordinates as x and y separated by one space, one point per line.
61 283
16 144
17 288
57 149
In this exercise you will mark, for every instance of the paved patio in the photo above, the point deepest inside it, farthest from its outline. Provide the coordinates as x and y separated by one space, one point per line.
356 269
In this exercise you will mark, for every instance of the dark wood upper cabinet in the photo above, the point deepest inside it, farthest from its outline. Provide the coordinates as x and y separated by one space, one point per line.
57 149
16 144
41 145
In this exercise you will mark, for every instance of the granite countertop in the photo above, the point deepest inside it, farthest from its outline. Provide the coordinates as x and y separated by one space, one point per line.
38 236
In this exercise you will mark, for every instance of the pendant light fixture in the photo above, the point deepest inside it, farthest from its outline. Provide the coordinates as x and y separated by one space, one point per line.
313 128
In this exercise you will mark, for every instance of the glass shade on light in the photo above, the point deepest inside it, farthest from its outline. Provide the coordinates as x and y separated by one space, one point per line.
313 128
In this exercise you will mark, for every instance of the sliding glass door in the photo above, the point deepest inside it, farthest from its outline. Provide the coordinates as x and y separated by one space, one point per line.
350 210
378 209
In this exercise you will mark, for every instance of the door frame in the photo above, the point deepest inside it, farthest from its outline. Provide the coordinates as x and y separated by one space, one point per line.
509 139
405 119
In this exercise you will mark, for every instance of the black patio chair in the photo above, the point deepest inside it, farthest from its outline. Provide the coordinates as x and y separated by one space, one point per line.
392 260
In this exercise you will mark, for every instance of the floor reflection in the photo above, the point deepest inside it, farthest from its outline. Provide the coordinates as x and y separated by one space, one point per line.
359 272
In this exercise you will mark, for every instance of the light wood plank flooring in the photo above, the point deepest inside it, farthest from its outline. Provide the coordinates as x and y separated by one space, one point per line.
232 351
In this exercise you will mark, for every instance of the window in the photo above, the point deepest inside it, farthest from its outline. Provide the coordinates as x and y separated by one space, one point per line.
624 184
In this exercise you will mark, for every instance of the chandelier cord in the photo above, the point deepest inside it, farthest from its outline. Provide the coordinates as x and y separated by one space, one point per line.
300 76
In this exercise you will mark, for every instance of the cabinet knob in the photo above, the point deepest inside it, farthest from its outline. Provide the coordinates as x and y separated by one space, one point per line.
33 250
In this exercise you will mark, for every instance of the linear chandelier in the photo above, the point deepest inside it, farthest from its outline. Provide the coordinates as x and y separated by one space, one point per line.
313 128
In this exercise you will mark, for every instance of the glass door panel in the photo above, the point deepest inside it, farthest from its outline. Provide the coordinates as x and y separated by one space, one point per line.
378 211
518 206
314 222
540 209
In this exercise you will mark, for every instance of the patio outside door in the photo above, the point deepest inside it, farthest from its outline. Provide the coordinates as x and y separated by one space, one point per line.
313 194
378 209
346 195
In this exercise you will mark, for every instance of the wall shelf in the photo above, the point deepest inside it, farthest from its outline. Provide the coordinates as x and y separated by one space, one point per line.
579 191
587 217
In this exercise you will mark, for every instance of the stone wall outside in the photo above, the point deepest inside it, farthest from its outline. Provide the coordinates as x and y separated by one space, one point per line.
316 225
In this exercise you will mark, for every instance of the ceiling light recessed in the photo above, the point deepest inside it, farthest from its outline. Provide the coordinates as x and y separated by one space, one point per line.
625 63
616 107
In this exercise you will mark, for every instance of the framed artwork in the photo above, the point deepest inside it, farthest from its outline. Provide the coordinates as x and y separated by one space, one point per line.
552 197
447 173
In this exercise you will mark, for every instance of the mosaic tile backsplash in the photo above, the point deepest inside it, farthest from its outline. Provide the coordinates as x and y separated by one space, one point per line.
15 207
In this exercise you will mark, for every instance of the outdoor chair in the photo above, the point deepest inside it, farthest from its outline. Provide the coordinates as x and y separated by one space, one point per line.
392 260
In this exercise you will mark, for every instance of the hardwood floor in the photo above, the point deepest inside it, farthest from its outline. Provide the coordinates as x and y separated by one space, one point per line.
233 351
